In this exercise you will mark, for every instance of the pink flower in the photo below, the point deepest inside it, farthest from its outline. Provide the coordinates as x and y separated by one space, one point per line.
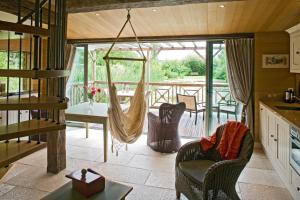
93 88
98 90
93 92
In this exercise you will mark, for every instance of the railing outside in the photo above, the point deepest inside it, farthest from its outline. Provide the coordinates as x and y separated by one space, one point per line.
163 92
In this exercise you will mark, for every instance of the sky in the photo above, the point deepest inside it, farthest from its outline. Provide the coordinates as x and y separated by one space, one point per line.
177 54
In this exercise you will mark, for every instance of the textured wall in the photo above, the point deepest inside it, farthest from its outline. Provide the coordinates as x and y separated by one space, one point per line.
270 82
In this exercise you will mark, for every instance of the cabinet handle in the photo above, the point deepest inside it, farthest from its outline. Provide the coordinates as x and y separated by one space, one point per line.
298 189
297 52
275 140
272 135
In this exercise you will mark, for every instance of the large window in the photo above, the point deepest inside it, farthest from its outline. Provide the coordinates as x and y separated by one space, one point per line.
14 63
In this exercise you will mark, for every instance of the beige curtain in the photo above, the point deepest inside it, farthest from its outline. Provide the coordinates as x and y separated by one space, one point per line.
240 66
70 51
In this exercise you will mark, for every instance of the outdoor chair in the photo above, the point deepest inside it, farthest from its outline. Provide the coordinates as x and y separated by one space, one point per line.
191 105
229 106
163 129
206 176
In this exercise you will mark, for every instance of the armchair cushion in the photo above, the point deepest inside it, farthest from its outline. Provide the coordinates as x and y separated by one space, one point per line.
196 169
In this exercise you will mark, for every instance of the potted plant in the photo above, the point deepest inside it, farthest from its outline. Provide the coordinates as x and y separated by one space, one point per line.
91 93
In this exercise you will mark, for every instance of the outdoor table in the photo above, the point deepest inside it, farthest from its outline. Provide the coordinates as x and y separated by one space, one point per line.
95 113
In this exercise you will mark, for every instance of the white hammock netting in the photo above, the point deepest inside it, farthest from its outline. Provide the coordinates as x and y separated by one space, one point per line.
126 126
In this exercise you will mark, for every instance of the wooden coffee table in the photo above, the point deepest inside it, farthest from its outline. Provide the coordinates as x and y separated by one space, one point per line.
112 191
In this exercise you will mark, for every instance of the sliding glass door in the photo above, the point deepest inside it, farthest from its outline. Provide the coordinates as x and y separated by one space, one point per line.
221 106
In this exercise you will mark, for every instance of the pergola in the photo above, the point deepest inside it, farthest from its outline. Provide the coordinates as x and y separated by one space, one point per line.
153 48
199 47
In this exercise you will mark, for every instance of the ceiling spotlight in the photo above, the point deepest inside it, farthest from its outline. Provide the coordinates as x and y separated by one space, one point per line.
97 14
154 10
221 6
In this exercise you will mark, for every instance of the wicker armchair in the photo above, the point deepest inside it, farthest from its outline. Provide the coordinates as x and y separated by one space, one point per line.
163 129
206 176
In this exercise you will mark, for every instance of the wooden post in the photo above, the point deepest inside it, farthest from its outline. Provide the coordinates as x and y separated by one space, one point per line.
56 148
85 73
148 70
56 140
94 60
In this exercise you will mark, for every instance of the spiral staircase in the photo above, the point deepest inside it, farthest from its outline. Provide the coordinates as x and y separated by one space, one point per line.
46 67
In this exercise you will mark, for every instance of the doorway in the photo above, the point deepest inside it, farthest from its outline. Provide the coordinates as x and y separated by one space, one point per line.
221 106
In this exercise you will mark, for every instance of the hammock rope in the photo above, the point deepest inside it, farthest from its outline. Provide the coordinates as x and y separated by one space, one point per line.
126 126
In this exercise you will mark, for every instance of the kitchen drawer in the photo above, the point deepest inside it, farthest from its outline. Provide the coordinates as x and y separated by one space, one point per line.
295 184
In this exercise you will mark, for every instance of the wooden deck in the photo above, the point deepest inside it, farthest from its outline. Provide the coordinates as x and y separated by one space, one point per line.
187 127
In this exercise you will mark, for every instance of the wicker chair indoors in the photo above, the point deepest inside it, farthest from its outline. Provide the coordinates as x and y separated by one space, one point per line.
204 175
163 129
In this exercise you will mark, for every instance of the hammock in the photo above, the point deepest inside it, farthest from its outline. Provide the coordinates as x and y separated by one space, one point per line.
126 126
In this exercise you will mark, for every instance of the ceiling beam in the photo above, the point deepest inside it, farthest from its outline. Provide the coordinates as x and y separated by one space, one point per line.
27 6
168 44
195 45
158 48
182 38
79 6
182 45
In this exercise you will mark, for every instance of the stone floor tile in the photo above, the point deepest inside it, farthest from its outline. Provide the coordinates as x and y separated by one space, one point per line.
123 158
4 188
123 174
150 173
154 163
21 193
263 192
38 178
259 176
74 164
141 192
83 153
15 170
259 152
260 163
162 180
38 159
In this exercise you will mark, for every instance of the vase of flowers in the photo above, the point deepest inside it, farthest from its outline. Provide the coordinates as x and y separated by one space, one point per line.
91 93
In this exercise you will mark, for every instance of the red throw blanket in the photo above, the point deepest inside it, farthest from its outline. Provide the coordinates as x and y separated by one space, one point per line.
231 140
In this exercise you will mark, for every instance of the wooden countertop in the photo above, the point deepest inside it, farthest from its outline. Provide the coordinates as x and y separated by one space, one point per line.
291 116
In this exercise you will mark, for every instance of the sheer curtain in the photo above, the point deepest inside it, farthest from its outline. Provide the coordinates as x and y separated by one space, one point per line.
240 67
70 51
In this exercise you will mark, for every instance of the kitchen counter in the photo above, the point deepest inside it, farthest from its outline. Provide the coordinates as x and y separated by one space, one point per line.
291 116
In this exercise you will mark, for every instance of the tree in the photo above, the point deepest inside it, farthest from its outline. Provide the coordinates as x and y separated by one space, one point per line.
196 65
175 68
220 67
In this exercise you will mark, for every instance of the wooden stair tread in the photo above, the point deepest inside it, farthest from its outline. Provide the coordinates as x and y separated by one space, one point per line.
33 103
28 128
35 74
13 151
21 28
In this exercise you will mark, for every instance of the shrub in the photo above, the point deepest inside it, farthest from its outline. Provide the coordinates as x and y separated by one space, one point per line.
195 65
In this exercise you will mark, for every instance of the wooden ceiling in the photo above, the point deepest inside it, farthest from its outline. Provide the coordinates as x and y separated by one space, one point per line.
190 19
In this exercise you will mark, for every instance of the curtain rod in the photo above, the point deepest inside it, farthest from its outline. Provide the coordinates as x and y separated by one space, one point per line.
186 38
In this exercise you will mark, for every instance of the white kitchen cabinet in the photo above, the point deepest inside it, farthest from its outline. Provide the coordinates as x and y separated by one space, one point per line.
275 129
282 141
271 133
294 48
263 125
295 184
